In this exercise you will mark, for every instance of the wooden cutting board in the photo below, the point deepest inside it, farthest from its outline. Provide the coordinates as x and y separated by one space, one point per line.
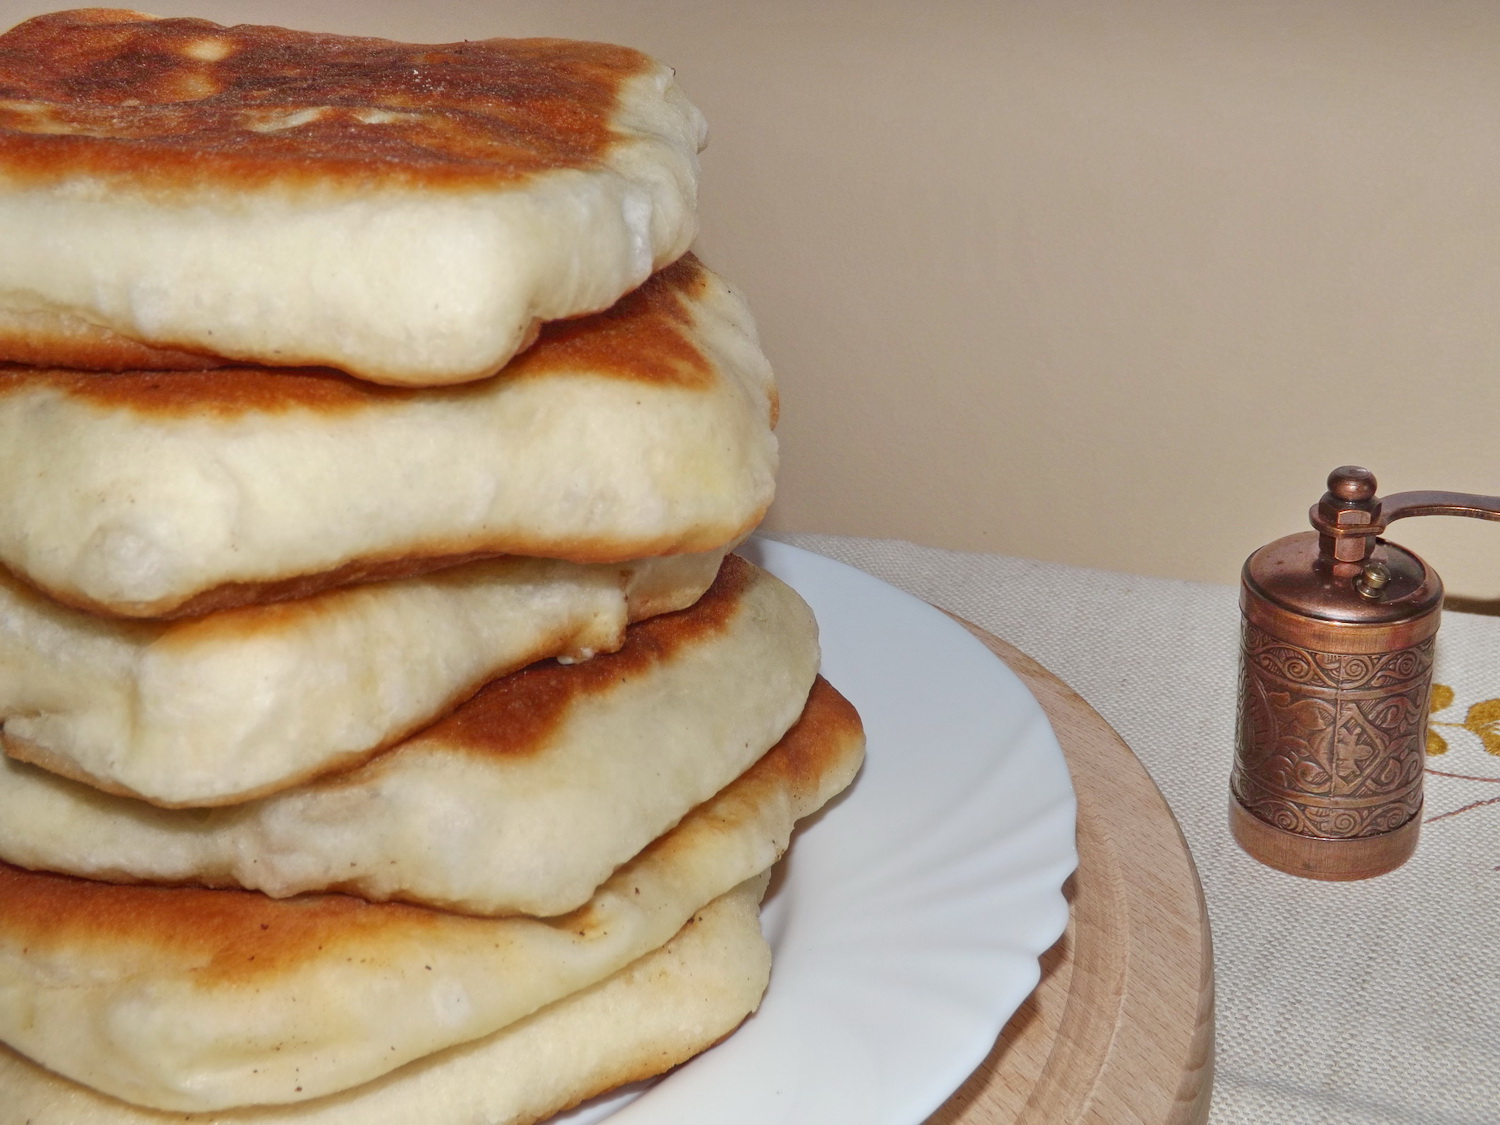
1121 1028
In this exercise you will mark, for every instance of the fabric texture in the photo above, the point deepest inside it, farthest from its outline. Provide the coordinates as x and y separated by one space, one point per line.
1375 1002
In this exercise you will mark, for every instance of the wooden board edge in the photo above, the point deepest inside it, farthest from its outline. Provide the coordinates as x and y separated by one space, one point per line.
1134 1039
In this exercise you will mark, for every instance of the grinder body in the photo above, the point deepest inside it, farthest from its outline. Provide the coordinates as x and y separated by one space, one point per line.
1335 677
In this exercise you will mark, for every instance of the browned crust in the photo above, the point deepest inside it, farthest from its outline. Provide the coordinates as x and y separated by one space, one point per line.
229 596
816 746
241 937
168 103
415 560
72 342
558 642
518 714
233 935
825 741
645 337
649 1063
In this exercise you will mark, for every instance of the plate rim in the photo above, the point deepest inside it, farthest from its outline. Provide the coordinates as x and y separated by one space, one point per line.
636 1107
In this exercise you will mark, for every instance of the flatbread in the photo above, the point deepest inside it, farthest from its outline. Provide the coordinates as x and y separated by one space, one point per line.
645 430
193 1000
643 1020
523 800
173 191
218 709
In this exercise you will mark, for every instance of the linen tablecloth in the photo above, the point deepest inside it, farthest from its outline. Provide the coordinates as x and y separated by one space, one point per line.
1368 1002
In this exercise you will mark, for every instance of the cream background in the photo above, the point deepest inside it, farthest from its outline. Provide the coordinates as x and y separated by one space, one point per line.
1109 283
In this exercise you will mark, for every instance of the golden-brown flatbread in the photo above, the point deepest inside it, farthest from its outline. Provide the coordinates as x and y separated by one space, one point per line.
643 1020
218 709
521 801
195 1000
645 430
173 192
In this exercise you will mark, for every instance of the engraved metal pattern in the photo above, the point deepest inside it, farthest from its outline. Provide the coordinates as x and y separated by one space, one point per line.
1330 745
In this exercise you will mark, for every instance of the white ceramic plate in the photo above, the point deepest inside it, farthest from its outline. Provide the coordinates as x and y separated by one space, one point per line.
913 910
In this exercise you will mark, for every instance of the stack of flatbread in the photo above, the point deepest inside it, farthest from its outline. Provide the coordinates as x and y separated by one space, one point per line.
389 732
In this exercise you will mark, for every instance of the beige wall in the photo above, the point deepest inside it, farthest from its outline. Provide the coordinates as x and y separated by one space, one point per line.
1108 282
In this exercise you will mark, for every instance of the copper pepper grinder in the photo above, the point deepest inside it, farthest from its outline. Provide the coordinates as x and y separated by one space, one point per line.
1335 673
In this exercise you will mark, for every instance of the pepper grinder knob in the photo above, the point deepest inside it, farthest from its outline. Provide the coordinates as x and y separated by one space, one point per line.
1352 484
1348 509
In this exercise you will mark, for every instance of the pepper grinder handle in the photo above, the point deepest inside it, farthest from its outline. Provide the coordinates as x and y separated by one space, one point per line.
1350 516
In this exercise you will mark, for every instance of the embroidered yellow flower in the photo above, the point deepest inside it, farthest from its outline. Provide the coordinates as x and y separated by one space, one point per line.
1482 720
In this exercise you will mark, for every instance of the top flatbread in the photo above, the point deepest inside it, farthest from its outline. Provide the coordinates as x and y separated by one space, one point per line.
173 191
644 430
